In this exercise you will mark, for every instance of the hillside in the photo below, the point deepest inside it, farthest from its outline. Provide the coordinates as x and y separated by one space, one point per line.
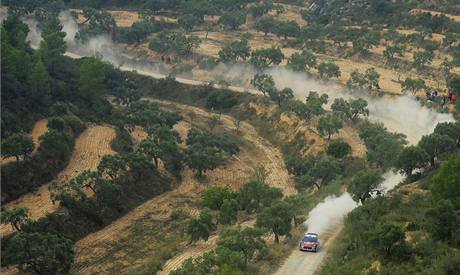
208 137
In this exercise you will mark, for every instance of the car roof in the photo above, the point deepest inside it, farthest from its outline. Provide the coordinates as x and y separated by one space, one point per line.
311 234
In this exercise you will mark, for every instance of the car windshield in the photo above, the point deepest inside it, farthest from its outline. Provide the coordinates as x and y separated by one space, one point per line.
310 239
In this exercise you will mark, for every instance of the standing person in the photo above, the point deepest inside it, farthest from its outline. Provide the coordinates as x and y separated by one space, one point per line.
449 94
162 58
168 59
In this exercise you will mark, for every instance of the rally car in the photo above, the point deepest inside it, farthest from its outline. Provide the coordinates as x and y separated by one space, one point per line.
310 242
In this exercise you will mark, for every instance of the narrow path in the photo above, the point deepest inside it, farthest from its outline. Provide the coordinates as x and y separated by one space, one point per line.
89 148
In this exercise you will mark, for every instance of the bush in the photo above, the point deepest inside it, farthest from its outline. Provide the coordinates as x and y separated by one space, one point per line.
338 148
23 176
220 100
122 143
214 196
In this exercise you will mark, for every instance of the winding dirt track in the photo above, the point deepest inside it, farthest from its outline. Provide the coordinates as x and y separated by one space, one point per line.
89 148
101 251
39 129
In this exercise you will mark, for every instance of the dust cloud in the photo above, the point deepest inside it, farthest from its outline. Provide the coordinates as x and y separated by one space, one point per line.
329 214
402 114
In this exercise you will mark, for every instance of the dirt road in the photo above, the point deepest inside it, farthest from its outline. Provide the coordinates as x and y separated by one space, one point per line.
306 263
89 148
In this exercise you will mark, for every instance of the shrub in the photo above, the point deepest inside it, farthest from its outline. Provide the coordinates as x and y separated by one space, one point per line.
338 148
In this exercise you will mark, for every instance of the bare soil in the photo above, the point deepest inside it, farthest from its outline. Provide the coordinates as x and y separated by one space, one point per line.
89 148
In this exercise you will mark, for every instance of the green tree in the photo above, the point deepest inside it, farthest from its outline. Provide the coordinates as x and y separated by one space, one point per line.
450 129
364 184
285 29
363 43
248 241
446 67
444 220
201 227
298 204
213 197
392 51
40 86
112 166
357 80
387 239
298 165
57 124
454 84
263 58
338 148
329 124
372 77
444 185
328 70
382 146
421 59
202 158
263 83
350 109
17 217
16 32
410 158
53 46
313 105
282 96
276 218
91 79
152 149
324 172
174 43
302 62
259 9
188 21
125 96
234 51
254 195
40 253
17 145
233 19
97 21
228 211
413 85
265 24
436 145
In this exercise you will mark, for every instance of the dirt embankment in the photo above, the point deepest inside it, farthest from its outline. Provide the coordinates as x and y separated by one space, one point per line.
89 148
39 129
127 243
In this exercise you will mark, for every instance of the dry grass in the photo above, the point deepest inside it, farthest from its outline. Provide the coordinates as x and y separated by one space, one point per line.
89 148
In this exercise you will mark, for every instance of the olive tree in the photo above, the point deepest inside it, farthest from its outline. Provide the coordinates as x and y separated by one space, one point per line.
364 184
328 125
328 70
17 145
